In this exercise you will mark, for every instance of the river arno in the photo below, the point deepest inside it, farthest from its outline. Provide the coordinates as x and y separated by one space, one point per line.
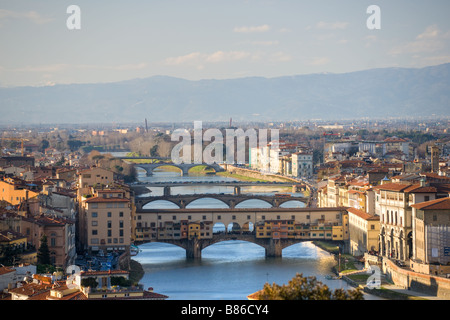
228 270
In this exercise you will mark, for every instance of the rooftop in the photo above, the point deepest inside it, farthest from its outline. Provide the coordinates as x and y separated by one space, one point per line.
438 204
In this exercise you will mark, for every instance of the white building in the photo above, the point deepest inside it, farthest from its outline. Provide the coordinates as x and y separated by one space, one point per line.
302 164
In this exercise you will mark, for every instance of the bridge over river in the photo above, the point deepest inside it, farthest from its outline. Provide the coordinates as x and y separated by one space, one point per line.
272 228
231 200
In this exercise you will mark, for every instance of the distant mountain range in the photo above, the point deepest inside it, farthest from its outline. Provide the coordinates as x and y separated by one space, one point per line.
375 93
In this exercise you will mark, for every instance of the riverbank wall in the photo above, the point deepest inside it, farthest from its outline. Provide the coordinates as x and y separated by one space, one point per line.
255 174
429 284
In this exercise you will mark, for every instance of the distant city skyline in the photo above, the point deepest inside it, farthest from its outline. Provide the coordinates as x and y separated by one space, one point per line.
202 39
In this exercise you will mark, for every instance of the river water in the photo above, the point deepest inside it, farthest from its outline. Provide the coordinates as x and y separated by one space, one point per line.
229 270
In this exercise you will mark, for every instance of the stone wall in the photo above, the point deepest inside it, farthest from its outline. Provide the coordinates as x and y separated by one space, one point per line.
429 284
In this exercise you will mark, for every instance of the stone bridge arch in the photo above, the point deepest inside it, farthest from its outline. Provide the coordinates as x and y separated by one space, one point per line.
184 167
194 247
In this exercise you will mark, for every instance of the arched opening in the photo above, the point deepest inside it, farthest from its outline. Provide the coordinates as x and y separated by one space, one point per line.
409 244
157 253
292 204
233 251
233 228
207 202
219 228
161 204
201 169
248 228
253 203
168 168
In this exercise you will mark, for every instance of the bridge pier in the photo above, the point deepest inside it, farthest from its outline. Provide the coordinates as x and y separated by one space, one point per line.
274 249
166 191
194 249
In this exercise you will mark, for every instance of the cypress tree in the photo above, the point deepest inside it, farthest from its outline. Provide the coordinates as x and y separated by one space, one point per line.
43 254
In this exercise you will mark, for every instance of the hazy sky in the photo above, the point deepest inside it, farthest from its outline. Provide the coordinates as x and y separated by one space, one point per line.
208 39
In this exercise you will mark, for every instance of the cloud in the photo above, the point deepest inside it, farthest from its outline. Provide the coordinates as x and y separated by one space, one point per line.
220 56
59 67
319 61
331 25
194 56
32 16
252 29
432 40
197 58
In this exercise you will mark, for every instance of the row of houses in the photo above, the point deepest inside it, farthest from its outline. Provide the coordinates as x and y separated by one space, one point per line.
81 285
279 157
404 217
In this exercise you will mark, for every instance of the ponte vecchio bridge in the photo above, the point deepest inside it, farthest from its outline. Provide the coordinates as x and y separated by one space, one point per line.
272 228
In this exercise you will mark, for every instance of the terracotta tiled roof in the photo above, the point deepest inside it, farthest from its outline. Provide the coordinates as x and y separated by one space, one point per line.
362 214
5 270
438 204
419 189
392 186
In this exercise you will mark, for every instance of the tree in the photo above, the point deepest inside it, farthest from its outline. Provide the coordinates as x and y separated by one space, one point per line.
43 145
306 288
43 254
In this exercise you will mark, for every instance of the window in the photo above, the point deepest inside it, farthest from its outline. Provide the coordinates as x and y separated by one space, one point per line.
94 232
94 214
109 224
121 214
372 227
94 223
427 198
109 214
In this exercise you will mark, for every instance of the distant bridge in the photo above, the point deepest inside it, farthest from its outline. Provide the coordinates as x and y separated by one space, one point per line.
215 183
184 167
231 200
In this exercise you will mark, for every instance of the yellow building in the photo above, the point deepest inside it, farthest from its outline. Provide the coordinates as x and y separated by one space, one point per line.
197 229
94 176
364 231
105 220
14 191
16 243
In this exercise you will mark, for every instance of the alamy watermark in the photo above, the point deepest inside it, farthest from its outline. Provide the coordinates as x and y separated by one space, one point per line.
374 281
190 148
73 22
